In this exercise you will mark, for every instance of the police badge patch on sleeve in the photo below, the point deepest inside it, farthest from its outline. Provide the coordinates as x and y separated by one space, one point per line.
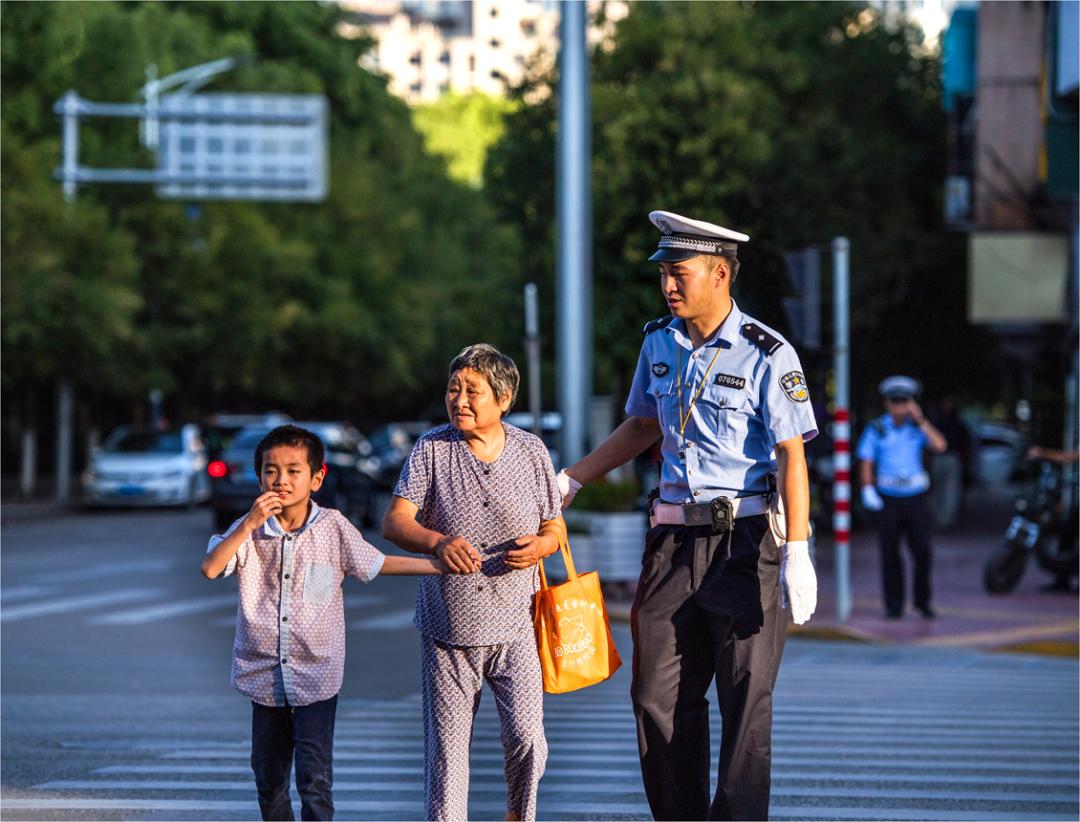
794 385
660 369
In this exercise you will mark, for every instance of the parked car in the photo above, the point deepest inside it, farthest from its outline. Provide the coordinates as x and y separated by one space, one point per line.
349 485
391 445
998 451
220 428
147 466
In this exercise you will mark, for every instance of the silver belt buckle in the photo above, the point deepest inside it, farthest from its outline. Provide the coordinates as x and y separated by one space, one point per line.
698 513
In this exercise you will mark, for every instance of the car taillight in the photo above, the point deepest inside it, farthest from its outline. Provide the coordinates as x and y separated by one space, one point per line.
217 469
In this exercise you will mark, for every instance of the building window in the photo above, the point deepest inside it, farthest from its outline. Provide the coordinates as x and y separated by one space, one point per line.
414 88
494 11
443 88
528 28
472 62
496 74
494 43
444 58
415 59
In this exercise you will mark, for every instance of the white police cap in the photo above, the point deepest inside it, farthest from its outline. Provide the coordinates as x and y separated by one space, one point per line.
682 238
899 386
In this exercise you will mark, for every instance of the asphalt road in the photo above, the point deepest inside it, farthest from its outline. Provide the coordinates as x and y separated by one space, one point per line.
116 704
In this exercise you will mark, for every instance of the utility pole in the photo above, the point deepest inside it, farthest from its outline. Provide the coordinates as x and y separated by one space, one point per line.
574 204
532 353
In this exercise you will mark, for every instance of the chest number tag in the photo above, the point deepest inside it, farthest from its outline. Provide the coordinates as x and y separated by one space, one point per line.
794 385
730 381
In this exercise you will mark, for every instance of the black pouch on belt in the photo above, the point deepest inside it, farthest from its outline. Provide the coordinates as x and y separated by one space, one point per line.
723 515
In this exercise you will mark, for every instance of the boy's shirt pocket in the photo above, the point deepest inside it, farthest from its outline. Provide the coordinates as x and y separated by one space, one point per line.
320 581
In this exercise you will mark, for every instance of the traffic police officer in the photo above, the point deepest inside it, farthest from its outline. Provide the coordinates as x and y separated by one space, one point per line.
724 393
894 482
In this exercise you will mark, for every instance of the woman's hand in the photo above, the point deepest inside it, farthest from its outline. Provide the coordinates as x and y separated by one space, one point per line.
531 548
458 555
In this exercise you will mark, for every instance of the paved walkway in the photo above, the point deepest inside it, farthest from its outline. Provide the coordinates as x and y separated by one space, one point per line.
1028 619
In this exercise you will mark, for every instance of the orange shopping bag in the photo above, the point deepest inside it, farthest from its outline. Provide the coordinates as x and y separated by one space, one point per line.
573 635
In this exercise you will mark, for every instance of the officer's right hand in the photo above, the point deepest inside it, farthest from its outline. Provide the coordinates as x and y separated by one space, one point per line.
457 554
266 505
568 487
871 499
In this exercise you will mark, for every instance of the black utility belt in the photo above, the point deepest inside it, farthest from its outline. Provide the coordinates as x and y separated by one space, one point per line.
720 513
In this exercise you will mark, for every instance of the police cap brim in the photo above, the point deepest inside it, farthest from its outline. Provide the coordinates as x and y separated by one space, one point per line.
673 255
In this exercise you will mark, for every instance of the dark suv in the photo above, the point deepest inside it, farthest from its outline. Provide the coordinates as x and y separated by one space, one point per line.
348 487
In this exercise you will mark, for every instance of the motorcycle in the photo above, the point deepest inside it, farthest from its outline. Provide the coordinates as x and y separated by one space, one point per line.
1040 530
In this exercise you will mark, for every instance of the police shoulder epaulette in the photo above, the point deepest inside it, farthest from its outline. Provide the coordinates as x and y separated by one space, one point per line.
878 426
761 338
656 325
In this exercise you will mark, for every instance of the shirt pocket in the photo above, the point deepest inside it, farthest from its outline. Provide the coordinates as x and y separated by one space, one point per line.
729 408
663 393
320 580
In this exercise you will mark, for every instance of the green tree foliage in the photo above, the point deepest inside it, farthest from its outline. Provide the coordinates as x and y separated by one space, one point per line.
461 128
793 122
347 308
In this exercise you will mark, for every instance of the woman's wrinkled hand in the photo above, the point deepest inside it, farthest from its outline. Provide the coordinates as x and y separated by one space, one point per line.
531 548
458 555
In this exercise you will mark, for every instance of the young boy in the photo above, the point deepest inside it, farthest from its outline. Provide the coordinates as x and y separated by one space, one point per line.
291 557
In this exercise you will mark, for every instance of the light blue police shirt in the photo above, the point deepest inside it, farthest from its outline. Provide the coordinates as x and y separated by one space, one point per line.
752 399
897 454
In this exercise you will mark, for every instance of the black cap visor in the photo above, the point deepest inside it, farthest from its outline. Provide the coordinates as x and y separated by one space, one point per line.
674 255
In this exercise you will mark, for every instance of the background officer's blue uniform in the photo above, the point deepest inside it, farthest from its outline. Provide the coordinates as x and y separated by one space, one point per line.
708 604
902 481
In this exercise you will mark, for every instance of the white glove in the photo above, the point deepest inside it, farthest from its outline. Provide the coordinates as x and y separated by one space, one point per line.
798 582
871 499
568 487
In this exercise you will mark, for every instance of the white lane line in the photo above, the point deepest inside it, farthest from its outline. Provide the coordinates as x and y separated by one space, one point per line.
152 613
997 775
17 592
108 569
855 751
393 621
496 784
67 604
572 809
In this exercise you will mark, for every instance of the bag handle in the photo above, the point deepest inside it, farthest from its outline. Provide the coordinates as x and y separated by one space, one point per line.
568 560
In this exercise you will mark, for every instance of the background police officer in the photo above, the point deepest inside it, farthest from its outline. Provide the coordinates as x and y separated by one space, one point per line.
724 392
895 483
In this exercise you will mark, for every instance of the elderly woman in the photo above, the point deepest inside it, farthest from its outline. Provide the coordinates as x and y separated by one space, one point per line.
480 495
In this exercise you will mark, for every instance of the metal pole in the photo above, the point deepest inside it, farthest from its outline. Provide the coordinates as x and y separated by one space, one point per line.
841 430
532 353
575 235
70 105
65 392
65 404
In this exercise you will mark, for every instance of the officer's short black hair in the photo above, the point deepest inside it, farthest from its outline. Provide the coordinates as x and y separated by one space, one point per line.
292 435
733 264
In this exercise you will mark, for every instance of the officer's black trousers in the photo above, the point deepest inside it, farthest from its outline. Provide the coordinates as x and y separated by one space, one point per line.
707 608
910 516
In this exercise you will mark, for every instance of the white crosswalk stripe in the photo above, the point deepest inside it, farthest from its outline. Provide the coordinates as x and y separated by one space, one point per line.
944 737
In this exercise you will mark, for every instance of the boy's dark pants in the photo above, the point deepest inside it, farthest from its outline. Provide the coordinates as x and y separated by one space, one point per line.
277 734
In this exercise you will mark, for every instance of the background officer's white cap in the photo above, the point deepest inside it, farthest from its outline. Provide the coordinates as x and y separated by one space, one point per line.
682 238
899 386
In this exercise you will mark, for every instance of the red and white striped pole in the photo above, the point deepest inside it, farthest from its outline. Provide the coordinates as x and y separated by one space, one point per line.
841 430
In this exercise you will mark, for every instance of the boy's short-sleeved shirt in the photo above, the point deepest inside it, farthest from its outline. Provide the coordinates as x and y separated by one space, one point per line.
290 624
490 505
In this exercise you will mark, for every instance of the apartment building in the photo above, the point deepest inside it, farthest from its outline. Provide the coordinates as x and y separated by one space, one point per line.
427 48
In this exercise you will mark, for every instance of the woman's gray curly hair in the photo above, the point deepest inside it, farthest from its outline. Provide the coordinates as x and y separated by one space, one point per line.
497 368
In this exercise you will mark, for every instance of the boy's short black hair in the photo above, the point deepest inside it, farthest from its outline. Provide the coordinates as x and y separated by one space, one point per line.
291 435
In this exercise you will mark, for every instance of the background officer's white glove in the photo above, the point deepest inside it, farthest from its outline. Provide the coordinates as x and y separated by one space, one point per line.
568 487
798 582
871 499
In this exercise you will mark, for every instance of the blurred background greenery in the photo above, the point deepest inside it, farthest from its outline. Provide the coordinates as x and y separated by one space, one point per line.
793 122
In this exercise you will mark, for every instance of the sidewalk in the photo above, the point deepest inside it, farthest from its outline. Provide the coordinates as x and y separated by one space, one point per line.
1026 620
